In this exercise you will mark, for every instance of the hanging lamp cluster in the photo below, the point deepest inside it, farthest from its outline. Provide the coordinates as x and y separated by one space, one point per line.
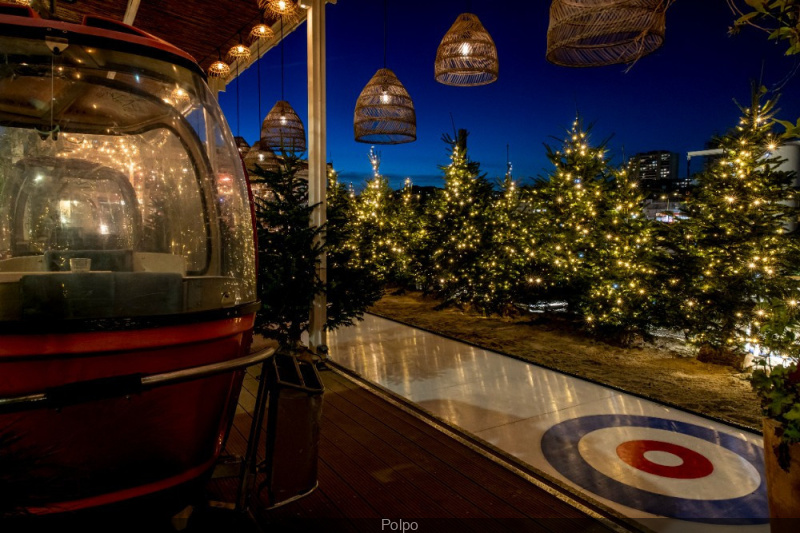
592 33
467 56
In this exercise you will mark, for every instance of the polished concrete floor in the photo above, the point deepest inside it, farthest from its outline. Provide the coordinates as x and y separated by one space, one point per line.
669 469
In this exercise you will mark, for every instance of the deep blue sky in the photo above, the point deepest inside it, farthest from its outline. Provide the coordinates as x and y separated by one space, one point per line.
674 99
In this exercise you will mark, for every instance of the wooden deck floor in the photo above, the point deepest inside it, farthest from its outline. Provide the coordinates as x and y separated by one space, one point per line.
378 462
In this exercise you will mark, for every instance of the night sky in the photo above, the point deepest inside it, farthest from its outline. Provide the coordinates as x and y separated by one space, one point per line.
674 99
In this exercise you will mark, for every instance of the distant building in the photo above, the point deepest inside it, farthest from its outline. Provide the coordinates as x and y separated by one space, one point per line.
658 175
655 166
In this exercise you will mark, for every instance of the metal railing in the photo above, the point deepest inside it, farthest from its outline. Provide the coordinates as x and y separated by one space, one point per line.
121 386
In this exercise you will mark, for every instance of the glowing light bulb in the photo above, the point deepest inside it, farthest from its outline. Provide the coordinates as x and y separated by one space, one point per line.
283 120
385 98
465 49
282 5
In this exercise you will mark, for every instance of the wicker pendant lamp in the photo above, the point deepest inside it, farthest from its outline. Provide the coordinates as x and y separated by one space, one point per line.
592 33
384 110
282 129
467 56
286 9
242 145
262 157
219 68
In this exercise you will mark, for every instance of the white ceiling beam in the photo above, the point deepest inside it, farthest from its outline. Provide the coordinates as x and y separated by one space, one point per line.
131 11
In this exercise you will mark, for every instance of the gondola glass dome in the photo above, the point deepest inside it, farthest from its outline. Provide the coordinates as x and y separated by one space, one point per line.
121 158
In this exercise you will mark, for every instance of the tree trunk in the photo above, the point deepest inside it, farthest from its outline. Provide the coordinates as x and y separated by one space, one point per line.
723 356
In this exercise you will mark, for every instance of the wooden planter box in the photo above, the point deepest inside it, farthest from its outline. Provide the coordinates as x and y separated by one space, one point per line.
783 488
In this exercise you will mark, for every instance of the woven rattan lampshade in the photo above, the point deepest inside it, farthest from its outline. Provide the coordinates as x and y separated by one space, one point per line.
242 145
262 157
282 130
219 69
261 32
385 112
592 33
288 9
467 56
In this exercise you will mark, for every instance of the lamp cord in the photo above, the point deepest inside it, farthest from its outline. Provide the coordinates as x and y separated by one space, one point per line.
282 98
258 75
238 120
385 26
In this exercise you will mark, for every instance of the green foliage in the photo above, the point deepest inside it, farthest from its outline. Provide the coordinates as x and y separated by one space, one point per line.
779 18
624 291
376 243
407 227
457 228
732 255
778 389
288 253
567 204
352 286
502 262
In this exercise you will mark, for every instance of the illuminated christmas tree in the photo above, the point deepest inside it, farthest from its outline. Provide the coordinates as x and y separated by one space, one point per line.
566 205
352 287
372 232
406 225
457 228
502 265
624 293
733 254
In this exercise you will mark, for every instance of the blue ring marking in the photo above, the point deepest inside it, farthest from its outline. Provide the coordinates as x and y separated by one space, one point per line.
560 448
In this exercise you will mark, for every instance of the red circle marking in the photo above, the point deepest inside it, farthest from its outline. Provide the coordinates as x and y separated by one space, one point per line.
694 465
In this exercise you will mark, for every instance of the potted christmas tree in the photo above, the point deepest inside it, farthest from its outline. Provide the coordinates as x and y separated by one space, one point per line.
289 252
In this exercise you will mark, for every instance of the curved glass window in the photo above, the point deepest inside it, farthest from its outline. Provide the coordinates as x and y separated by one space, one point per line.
121 189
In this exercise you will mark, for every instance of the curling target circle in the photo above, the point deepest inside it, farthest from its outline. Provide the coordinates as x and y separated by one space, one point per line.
664 467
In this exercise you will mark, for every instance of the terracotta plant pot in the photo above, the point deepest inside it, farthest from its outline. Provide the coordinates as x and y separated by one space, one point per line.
783 488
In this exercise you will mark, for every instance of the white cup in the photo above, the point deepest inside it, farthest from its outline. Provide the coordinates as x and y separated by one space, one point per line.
80 264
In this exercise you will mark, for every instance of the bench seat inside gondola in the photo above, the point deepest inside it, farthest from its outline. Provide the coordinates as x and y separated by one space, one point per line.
72 295
121 283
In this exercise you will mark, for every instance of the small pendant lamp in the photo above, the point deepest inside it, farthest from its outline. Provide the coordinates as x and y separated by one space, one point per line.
467 56
260 33
219 68
384 110
262 157
594 33
282 128
242 145
286 9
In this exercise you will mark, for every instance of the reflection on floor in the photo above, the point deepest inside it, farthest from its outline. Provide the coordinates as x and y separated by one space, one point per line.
645 460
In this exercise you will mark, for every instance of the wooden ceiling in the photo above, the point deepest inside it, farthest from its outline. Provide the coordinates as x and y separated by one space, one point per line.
200 27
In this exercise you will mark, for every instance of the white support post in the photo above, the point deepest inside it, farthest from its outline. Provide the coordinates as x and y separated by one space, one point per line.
317 165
